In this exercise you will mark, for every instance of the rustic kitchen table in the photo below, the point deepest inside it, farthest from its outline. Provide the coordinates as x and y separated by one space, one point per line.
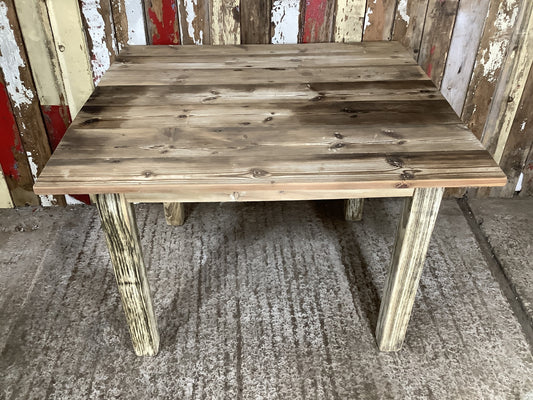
177 124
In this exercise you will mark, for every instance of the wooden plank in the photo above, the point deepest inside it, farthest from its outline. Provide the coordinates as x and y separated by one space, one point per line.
438 27
5 197
194 21
379 20
285 18
511 83
349 20
493 46
195 195
411 244
318 20
129 22
162 21
100 33
174 213
122 237
353 209
255 21
409 24
22 95
13 158
527 178
72 51
463 49
225 22
518 144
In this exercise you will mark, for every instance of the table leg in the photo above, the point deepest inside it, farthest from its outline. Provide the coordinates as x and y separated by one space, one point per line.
353 209
174 213
120 227
412 241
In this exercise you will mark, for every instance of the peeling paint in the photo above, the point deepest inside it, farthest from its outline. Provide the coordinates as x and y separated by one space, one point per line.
518 187
72 200
101 55
367 19
46 200
523 126
191 15
285 16
11 62
402 9
135 16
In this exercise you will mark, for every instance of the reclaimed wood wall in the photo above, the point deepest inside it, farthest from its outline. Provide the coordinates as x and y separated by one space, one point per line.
54 52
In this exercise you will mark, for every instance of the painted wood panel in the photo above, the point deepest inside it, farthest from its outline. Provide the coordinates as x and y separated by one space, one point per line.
129 22
317 24
409 24
255 21
349 20
100 33
5 197
438 26
162 21
22 95
493 46
225 22
285 19
379 20
72 52
17 172
463 49
194 21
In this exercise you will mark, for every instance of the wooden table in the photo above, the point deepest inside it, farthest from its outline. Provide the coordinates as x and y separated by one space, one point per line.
178 124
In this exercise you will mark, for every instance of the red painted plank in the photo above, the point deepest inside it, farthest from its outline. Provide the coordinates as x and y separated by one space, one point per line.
10 145
318 21
163 22
57 119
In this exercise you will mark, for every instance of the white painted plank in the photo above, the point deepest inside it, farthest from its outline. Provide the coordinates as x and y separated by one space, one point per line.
349 20
5 198
285 17
73 53
136 27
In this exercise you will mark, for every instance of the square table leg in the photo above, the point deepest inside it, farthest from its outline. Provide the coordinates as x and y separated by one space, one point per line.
174 213
353 209
120 227
412 241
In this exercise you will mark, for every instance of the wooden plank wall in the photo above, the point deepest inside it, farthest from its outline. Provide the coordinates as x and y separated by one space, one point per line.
54 52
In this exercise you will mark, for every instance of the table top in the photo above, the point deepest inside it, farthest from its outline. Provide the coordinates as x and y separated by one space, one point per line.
268 118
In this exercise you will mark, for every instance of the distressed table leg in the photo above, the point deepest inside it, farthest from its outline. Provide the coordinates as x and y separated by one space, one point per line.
120 226
412 241
174 213
353 209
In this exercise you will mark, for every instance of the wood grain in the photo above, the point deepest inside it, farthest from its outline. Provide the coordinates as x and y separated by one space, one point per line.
317 21
255 21
122 236
379 20
225 22
411 244
527 182
353 209
349 20
5 197
174 213
318 126
409 24
162 21
194 22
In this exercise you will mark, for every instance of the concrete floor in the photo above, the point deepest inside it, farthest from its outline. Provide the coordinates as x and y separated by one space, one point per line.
254 301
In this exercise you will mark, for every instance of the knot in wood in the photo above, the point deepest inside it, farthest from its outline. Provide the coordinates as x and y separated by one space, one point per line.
395 161
258 173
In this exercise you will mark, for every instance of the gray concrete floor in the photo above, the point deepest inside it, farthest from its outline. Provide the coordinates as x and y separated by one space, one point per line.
254 301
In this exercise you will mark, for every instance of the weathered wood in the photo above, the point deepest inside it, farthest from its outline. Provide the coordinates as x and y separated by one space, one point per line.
203 195
285 19
411 244
317 21
174 213
493 46
353 209
379 20
409 24
527 181
72 52
5 197
255 21
463 49
22 95
13 159
518 144
99 31
438 26
122 236
194 21
349 20
129 22
255 129
225 22
162 21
